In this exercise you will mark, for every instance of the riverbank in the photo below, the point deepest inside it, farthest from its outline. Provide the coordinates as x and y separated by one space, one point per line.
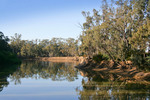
58 59
108 70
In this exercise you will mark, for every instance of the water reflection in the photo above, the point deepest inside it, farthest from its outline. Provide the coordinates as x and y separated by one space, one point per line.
95 86
92 86
45 70
5 72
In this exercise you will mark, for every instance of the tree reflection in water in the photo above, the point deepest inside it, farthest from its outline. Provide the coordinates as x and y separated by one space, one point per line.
45 70
95 86
5 72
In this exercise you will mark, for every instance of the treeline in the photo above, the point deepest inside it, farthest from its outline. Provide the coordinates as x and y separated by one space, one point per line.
120 31
6 54
56 47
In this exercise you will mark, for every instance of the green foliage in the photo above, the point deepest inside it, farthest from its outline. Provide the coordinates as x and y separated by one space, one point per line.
6 55
3 43
44 48
121 29
8 58
100 57
137 58
16 44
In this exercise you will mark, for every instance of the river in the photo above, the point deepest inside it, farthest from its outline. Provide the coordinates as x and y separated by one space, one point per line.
37 80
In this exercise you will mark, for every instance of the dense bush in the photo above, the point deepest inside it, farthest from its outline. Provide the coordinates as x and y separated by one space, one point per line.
98 58
7 57
6 54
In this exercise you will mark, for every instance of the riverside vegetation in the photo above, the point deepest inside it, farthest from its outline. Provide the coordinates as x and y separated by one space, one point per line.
119 32
6 54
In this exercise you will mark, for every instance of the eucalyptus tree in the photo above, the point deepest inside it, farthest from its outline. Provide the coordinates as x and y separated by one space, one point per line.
4 42
118 30
16 43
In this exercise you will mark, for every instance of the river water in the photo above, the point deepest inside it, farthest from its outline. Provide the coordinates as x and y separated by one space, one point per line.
37 80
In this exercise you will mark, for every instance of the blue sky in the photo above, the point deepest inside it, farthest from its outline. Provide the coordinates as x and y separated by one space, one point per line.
44 19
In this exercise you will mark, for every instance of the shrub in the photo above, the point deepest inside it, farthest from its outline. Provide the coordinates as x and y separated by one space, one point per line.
7 57
98 58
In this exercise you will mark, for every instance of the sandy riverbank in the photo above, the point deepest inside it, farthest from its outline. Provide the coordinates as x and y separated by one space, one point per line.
61 59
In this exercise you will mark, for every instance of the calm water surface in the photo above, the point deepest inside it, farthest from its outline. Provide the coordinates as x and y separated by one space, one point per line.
35 80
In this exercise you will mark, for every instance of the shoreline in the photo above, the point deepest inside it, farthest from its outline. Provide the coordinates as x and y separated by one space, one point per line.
58 59
126 72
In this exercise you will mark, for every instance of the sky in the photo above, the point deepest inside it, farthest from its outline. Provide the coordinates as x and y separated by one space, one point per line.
44 19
